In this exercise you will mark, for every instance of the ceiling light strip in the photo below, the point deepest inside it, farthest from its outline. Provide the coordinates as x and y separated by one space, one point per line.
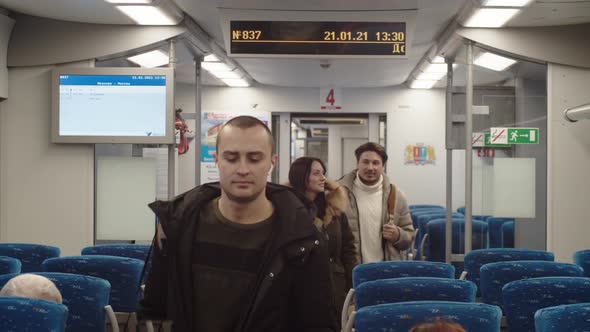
150 59
506 3
130 2
148 15
490 17
493 61
422 84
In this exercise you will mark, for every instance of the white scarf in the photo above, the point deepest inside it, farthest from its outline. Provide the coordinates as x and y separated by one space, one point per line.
369 200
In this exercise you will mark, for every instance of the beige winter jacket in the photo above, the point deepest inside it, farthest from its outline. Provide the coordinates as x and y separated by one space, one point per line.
401 218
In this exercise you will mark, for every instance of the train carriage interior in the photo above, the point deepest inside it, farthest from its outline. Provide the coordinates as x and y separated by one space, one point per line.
481 105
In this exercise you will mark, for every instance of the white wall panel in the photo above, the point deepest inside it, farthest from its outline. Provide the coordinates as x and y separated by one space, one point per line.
126 187
568 200
46 192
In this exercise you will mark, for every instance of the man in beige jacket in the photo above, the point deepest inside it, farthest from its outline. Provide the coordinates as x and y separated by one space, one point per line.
378 212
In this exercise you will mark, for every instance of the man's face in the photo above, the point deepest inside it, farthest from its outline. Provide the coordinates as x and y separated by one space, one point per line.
370 167
244 159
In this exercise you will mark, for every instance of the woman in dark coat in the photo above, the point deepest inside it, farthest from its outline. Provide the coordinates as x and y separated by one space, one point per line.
307 175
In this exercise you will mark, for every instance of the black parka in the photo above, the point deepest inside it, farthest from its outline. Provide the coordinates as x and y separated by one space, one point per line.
292 292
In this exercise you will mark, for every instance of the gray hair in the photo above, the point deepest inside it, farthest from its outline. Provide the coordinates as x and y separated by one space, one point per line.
31 286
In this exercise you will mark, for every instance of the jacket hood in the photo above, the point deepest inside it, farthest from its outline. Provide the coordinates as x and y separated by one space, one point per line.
289 207
348 179
336 200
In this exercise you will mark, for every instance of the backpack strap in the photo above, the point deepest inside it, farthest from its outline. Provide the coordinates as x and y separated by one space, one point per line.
391 219
391 200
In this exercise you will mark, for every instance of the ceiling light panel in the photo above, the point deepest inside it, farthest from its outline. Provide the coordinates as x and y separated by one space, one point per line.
436 68
211 58
151 59
130 2
493 61
422 84
227 74
438 59
490 17
215 66
506 3
148 15
430 76
235 82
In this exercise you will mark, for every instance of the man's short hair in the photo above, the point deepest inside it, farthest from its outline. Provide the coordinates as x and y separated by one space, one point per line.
31 286
370 146
245 122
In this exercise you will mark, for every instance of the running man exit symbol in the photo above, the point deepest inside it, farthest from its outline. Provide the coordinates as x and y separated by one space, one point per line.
514 135
523 135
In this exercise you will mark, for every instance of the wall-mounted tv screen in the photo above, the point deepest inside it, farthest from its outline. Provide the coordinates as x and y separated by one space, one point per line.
112 105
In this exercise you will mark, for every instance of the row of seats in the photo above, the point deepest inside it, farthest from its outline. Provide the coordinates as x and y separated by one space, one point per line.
32 256
500 231
476 259
90 284
402 316
430 224
42 316
87 299
412 285
532 305
21 314
546 283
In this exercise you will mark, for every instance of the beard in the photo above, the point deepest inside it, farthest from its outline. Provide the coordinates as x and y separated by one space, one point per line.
368 181
243 199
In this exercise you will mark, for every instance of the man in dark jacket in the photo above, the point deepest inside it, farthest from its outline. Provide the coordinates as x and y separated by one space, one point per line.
241 255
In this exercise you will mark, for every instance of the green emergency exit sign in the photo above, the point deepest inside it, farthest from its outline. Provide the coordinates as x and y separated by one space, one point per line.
514 135
523 135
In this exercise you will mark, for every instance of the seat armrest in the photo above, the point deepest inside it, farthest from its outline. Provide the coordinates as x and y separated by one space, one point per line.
350 324
112 318
463 275
424 238
344 318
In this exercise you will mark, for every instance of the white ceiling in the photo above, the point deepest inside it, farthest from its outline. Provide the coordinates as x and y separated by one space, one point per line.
432 17
89 11
553 12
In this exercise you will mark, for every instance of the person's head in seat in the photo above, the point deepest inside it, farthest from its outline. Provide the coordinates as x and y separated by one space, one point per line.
32 286
438 325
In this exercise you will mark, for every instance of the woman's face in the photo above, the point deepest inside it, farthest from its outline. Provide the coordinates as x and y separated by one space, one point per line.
316 180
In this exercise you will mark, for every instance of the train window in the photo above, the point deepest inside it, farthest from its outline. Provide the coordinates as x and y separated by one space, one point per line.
510 161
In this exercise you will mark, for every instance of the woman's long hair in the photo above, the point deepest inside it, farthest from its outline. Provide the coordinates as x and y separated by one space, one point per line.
298 178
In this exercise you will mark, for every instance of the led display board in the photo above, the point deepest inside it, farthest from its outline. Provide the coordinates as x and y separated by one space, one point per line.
318 38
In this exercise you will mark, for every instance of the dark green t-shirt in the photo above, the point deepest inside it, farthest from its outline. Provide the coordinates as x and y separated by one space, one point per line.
226 259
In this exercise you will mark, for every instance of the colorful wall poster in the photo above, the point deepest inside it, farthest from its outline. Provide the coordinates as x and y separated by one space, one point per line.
419 154
211 122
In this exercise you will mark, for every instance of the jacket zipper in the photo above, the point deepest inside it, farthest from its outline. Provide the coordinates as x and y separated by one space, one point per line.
385 205
244 320
358 224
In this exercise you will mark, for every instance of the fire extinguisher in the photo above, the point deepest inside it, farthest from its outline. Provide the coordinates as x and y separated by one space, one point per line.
182 128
